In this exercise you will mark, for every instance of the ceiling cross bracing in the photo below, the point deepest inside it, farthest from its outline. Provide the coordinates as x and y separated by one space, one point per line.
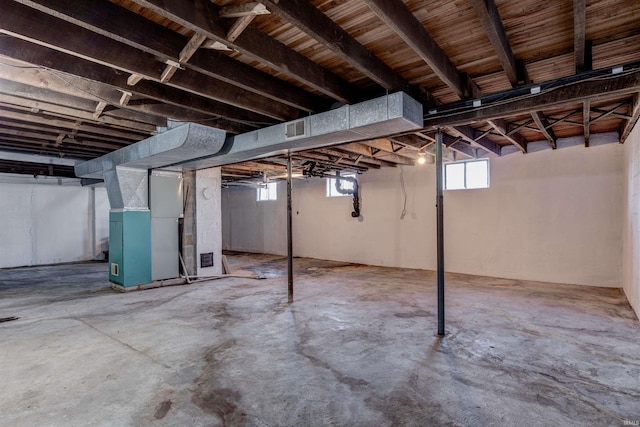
496 75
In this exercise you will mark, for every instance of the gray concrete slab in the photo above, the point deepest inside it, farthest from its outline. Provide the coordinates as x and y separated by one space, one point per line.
356 348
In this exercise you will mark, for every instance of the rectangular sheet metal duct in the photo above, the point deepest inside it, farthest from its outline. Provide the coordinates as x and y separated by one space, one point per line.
189 141
194 146
371 119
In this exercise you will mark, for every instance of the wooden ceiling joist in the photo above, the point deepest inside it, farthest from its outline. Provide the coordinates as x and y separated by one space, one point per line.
245 14
239 66
198 16
45 57
596 89
631 122
36 169
41 136
606 113
134 30
68 124
12 124
69 112
33 25
309 19
586 121
501 126
187 52
545 128
396 15
470 135
464 148
494 28
579 35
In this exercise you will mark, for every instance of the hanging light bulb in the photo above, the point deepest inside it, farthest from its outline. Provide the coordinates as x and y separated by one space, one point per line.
421 159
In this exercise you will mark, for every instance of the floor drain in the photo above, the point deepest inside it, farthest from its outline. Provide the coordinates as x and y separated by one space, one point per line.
8 319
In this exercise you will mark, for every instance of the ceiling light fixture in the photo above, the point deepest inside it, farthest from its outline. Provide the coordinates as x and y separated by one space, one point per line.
421 159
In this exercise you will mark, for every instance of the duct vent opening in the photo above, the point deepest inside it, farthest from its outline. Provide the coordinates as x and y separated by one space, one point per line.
295 129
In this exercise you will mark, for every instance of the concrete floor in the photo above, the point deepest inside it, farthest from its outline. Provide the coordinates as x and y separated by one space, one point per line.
357 348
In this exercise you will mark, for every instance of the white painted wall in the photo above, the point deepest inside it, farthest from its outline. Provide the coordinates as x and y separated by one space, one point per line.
550 216
631 219
49 223
252 226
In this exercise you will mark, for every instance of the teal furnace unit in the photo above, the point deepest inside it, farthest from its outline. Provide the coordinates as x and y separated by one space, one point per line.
130 247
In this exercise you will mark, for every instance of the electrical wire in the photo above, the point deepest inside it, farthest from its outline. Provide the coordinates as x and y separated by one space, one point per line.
499 99
404 192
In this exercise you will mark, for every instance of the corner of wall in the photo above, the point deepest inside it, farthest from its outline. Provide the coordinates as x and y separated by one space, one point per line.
631 220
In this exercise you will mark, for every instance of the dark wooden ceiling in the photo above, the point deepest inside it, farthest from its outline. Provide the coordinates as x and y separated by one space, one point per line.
79 79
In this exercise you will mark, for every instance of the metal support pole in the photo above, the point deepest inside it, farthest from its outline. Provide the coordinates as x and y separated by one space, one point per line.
440 232
289 232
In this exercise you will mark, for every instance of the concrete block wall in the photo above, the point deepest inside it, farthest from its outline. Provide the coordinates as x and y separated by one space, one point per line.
208 184
550 216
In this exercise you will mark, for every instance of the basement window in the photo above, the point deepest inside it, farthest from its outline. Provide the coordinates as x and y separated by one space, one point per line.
466 175
346 185
267 191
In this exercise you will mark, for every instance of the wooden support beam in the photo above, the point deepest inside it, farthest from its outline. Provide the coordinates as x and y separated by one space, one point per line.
544 127
410 140
187 52
39 55
215 44
127 27
330 161
385 152
54 109
134 79
364 154
199 16
593 90
33 25
46 137
463 148
579 34
126 96
309 19
490 18
470 135
357 159
398 17
610 112
21 93
586 121
34 146
380 144
357 148
221 67
502 127
242 10
629 124
64 133
66 123
46 81
394 158
238 27
617 114
190 48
